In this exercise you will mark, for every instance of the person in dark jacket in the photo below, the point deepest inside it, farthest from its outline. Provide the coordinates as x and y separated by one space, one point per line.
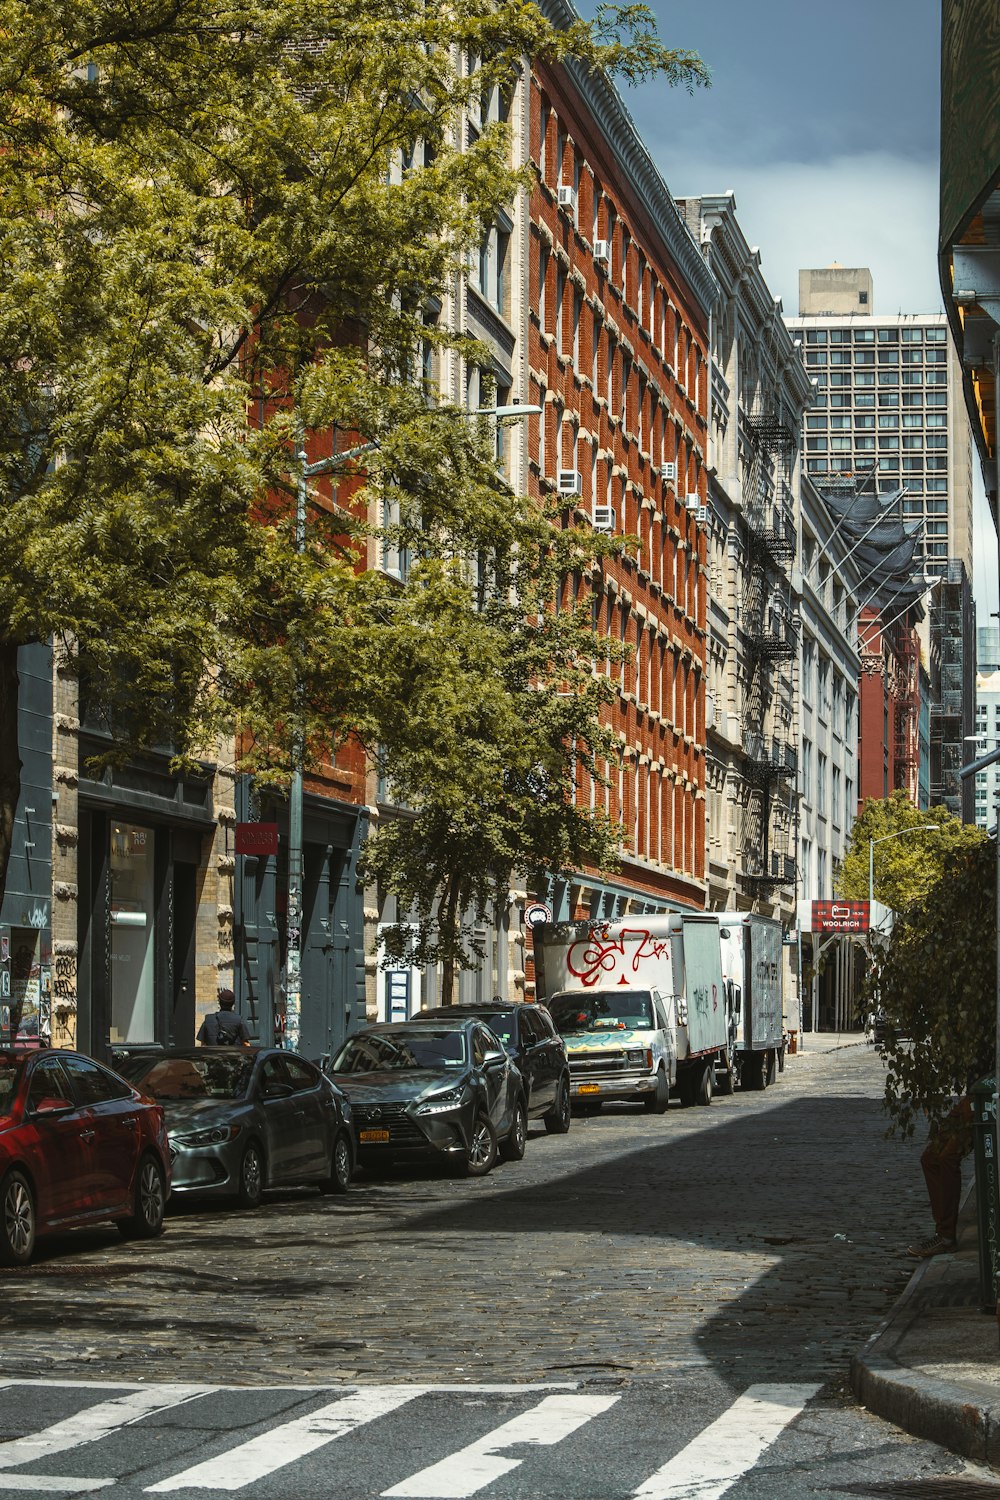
225 1028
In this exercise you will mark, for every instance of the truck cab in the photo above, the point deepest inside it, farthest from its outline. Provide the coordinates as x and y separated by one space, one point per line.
621 1043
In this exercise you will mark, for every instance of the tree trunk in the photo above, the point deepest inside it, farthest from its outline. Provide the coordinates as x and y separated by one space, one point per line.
449 913
10 767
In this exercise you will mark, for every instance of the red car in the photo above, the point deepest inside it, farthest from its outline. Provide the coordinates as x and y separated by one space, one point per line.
77 1145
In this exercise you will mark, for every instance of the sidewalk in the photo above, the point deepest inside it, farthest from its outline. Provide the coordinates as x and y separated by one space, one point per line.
933 1367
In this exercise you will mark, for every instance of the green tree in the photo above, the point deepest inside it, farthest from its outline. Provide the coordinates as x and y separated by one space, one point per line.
204 249
905 867
936 978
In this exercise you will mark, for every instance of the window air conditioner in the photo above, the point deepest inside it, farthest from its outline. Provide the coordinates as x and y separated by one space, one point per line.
669 472
702 516
567 197
692 502
602 250
569 482
604 518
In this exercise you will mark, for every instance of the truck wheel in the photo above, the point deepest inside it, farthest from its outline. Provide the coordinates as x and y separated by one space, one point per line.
686 1084
770 1068
706 1085
656 1104
725 1082
754 1074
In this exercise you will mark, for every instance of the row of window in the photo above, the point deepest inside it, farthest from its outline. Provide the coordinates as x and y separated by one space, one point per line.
887 442
844 379
831 788
886 465
865 421
935 335
866 401
861 357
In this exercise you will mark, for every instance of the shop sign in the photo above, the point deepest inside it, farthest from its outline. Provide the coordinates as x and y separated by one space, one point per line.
536 913
257 838
840 916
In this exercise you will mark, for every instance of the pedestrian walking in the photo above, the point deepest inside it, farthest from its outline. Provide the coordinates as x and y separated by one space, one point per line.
225 1028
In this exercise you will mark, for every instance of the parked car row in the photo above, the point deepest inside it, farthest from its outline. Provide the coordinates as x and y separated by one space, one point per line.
81 1144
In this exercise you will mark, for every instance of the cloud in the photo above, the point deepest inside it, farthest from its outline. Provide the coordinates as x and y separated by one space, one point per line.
873 209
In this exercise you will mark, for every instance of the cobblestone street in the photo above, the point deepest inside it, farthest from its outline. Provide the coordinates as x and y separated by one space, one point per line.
761 1235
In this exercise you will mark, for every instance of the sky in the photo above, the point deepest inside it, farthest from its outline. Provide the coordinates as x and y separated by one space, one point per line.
823 119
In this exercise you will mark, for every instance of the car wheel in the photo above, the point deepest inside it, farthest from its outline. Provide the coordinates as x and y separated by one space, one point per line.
482 1153
341 1166
251 1184
513 1147
17 1220
557 1121
146 1222
656 1104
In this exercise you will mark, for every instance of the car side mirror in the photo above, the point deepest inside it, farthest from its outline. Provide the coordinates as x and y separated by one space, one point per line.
52 1105
494 1059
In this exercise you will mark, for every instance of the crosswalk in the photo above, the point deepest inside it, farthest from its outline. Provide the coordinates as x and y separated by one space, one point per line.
400 1442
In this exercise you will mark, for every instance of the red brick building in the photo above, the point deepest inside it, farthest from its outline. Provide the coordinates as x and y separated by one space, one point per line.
617 354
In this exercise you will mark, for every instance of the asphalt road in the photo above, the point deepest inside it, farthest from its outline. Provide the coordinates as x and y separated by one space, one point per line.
651 1307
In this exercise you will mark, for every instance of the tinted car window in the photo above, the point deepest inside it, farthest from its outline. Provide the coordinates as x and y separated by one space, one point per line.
532 1029
603 1010
375 1051
273 1075
300 1075
48 1081
10 1072
204 1076
504 1023
91 1084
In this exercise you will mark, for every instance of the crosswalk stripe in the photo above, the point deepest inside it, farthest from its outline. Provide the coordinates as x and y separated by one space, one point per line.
51 1484
96 1422
261 1455
479 1464
725 1450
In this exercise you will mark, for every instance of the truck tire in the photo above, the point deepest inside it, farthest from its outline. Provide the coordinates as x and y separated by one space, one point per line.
656 1103
771 1068
754 1073
725 1081
705 1087
686 1087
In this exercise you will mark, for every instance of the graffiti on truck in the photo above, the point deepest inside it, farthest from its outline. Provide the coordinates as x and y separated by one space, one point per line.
599 954
705 1000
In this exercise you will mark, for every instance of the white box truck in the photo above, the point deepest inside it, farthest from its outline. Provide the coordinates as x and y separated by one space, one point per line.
641 1005
753 973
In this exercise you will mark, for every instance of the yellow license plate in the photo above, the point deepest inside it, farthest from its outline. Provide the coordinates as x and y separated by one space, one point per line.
589 1088
373 1135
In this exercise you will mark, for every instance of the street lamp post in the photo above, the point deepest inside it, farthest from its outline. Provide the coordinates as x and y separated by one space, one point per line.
899 833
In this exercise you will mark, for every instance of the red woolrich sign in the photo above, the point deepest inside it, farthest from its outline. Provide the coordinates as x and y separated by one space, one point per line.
840 916
256 838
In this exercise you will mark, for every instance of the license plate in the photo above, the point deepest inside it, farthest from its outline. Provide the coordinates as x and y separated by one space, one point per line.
373 1135
589 1088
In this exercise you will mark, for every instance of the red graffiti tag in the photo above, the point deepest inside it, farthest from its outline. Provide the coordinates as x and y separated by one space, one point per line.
599 953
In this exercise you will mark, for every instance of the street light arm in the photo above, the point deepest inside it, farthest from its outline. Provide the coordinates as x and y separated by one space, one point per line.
899 833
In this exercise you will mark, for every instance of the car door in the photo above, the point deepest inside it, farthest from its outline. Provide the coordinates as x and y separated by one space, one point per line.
494 1074
114 1121
317 1112
540 1058
283 1126
60 1156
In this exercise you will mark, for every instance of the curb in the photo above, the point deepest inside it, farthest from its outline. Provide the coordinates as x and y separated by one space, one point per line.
924 1407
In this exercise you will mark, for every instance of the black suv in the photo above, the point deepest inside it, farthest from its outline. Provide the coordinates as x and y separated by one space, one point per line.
528 1033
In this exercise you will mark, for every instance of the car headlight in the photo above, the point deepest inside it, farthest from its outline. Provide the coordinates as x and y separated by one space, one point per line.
438 1103
636 1055
212 1137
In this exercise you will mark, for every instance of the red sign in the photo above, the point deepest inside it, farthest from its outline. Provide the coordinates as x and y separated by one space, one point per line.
257 838
840 916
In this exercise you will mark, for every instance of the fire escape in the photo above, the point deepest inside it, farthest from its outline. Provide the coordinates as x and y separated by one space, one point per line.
770 628
905 693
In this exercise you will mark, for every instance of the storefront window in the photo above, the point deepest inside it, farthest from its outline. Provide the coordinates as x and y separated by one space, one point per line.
132 925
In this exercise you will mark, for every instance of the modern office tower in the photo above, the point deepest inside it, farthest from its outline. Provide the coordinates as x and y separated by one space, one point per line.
888 418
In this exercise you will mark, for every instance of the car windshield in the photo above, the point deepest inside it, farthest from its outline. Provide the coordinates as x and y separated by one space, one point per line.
204 1075
376 1051
603 1010
10 1070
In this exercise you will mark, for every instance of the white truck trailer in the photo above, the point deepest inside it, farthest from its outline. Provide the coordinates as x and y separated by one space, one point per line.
753 973
667 972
